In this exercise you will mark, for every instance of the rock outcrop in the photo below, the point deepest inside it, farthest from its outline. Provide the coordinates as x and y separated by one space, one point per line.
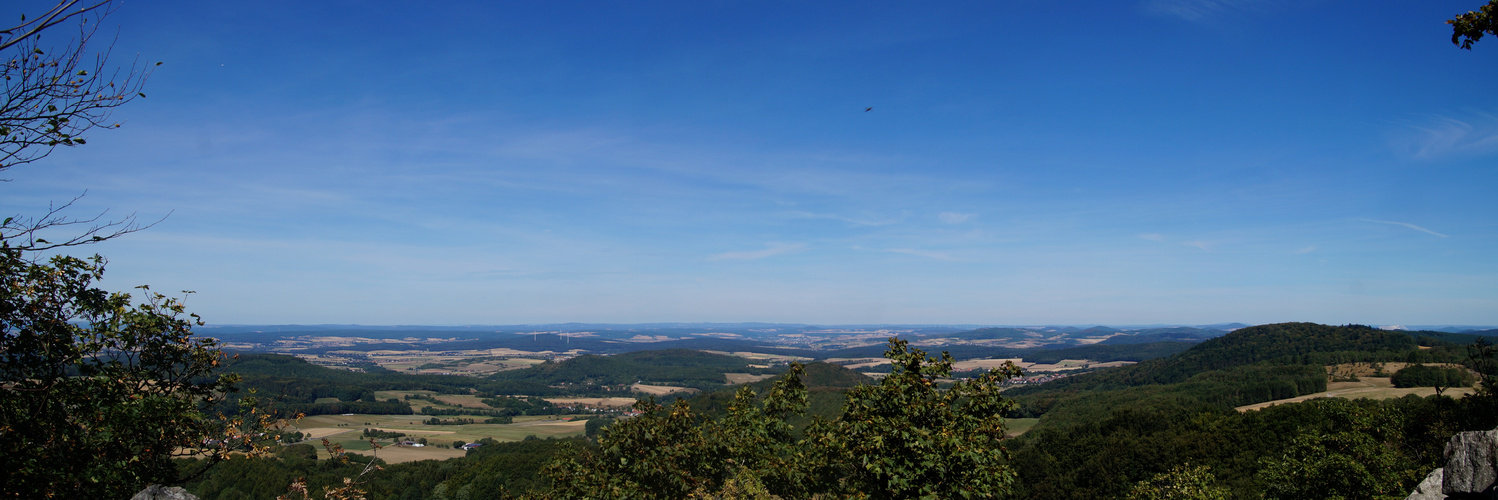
1430 488
1471 470
159 492
1471 463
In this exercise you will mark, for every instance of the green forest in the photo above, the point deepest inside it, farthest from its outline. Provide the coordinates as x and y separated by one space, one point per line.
820 429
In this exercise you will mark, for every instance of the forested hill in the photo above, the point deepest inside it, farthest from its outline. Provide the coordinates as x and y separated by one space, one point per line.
1101 432
1248 366
1281 343
679 367
295 384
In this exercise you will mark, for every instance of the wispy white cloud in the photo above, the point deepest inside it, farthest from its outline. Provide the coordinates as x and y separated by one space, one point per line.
772 250
954 217
1439 135
851 220
1151 236
1201 10
1204 246
930 254
921 253
1306 250
1405 224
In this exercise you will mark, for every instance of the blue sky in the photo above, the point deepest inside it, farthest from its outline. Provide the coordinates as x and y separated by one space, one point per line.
1025 162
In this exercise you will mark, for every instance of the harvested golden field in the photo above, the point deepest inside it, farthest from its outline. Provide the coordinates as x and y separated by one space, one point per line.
402 454
744 378
856 363
1073 364
986 364
602 402
1016 426
1368 387
347 431
661 390
768 358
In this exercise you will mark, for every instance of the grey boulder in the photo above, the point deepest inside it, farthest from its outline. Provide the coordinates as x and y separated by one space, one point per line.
159 492
1471 465
1428 489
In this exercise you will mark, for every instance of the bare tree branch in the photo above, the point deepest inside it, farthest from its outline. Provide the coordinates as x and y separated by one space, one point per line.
49 97
50 100
27 233
56 15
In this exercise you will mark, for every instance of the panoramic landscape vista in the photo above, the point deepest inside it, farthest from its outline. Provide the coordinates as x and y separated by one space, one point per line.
1142 249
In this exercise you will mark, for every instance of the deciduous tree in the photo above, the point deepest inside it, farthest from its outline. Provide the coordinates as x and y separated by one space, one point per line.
906 437
1467 29
98 390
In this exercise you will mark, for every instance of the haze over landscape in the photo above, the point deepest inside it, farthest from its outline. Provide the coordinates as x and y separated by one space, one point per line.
1008 163
1143 250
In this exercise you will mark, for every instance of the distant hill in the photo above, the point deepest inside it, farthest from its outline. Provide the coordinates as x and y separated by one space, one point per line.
678 367
1249 365
1178 334
997 334
1294 343
1097 331
1104 352
1224 326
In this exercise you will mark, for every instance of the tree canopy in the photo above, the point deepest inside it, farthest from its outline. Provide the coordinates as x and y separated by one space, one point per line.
98 390
905 437
1468 28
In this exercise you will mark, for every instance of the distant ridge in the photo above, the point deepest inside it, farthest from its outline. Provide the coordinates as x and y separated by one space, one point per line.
1224 326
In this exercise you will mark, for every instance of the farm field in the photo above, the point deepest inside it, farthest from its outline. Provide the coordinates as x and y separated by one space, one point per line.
603 402
444 401
661 390
466 364
744 378
1017 426
1368 387
856 363
1072 364
347 431
762 357
986 364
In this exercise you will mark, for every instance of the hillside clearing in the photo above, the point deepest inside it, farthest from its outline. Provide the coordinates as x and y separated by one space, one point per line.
661 390
1368 387
744 378
347 430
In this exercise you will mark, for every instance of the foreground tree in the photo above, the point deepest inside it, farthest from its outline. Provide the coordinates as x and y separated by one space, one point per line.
1356 454
98 390
672 452
1181 483
1467 29
906 437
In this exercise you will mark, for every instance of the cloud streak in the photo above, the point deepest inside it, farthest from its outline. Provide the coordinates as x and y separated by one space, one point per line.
1440 136
1405 224
772 250
920 253
1198 244
954 217
849 220
1200 10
